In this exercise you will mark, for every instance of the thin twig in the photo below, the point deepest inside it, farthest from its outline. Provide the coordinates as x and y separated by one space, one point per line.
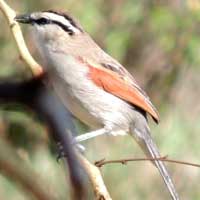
17 33
103 162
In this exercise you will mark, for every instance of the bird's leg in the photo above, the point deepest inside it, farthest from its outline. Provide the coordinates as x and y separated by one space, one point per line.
80 138
89 135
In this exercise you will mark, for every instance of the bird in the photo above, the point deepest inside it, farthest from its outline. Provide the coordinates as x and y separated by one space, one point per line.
92 85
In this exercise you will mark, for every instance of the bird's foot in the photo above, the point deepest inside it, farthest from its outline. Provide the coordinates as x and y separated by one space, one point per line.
61 153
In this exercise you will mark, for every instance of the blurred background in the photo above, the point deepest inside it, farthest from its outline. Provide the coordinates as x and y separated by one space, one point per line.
158 42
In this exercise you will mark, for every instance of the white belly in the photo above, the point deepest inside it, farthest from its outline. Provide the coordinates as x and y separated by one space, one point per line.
95 107
89 103
76 107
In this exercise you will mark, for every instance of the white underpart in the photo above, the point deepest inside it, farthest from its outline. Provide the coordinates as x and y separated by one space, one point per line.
86 101
62 20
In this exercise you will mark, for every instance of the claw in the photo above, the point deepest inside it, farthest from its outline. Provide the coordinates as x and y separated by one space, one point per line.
61 153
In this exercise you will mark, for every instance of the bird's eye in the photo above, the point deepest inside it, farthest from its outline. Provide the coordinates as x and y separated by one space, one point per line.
42 21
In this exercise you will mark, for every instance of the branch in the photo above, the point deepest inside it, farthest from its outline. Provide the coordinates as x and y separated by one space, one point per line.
35 95
18 91
92 171
60 125
10 14
96 179
103 162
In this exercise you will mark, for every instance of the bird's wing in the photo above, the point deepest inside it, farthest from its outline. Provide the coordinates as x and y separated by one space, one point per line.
118 81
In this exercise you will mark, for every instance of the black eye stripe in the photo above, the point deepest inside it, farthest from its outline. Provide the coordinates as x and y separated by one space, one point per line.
42 21
64 27
45 21
67 17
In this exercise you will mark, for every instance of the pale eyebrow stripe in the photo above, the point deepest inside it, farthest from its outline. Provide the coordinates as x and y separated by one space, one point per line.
62 20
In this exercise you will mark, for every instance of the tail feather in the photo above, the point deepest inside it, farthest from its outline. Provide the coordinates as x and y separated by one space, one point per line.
150 149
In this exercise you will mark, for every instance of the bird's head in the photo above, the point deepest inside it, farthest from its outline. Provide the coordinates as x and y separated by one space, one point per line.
51 23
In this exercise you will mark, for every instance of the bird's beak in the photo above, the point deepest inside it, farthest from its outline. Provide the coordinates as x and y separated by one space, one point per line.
26 19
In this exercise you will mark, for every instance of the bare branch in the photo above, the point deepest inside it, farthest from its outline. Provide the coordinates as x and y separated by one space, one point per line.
100 190
103 162
17 33
93 172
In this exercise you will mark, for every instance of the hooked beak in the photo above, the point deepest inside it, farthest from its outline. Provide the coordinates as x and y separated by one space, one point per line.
25 19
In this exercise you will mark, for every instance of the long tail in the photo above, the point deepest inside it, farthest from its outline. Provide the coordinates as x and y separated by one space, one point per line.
150 149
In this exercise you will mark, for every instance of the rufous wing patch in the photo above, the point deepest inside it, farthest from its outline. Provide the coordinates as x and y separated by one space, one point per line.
116 85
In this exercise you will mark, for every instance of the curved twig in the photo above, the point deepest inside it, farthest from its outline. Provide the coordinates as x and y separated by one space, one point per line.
10 14
103 162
